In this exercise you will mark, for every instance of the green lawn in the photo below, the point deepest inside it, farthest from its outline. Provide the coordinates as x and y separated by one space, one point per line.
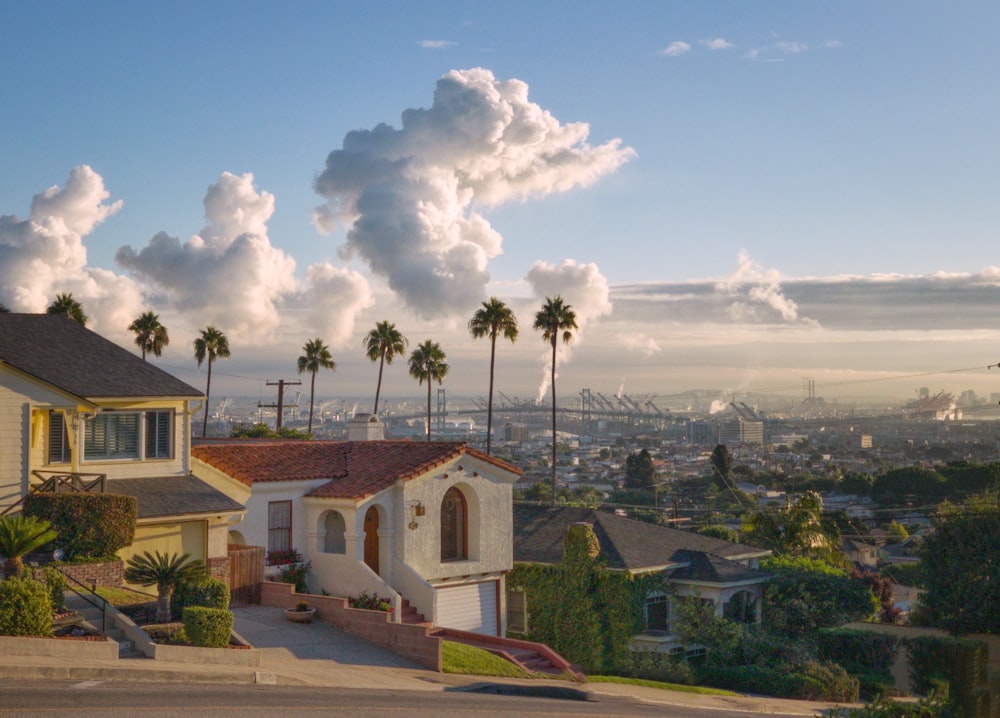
122 596
658 684
462 658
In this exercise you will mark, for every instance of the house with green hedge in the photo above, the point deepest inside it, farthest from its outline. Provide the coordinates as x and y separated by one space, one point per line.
82 416
619 591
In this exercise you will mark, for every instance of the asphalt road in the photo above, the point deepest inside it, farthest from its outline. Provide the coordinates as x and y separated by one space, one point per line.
92 699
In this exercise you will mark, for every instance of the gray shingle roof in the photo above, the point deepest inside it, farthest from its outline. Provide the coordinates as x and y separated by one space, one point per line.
164 496
69 356
708 568
626 544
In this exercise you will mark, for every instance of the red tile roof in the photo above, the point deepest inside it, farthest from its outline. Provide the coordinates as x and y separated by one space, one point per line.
356 469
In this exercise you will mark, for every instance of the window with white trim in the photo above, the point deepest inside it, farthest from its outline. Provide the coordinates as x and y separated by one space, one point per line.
517 611
59 451
658 613
159 434
118 435
279 526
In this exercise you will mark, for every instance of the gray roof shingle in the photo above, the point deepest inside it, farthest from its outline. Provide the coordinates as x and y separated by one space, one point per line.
164 496
66 355
626 544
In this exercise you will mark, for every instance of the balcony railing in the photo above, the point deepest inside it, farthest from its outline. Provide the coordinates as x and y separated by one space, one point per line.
62 482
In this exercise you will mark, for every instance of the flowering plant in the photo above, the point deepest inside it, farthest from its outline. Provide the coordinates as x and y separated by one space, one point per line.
370 601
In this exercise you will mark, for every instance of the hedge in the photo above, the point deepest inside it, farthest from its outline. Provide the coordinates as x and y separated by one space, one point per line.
208 627
25 608
208 592
813 681
963 663
89 524
865 655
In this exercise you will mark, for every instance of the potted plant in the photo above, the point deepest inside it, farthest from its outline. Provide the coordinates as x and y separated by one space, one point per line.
302 613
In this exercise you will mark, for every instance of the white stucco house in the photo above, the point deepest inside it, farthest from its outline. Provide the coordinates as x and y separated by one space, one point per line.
423 524
80 413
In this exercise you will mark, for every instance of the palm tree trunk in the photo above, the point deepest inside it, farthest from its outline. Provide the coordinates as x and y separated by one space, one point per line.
208 394
378 387
428 409
489 407
163 606
312 395
554 421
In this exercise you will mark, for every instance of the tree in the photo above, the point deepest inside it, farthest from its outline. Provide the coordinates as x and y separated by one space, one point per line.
211 345
925 485
640 472
20 535
65 305
804 595
493 319
317 356
4 309
150 335
795 529
427 363
382 344
961 570
554 320
164 572
722 464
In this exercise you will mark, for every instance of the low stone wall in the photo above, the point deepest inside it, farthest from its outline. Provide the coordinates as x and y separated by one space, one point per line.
410 641
67 648
103 574
218 568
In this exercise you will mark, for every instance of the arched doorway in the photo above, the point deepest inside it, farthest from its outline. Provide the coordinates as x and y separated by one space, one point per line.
371 539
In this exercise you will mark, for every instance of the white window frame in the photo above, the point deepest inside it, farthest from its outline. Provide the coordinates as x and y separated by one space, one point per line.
658 597
517 620
131 448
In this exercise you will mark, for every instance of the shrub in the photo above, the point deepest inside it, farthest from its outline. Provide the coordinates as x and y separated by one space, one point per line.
813 680
296 574
56 584
88 524
370 601
207 592
208 627
657 666
25 608
960 663
866 656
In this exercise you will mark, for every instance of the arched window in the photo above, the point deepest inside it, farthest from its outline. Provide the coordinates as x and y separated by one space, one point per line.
454 526
335 530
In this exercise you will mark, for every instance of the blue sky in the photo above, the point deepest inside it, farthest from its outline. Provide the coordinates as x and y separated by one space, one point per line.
798 189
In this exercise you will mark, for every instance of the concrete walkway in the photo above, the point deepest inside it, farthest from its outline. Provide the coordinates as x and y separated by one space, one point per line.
318 654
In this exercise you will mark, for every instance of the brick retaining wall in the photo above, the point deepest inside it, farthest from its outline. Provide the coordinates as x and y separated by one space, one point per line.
103 574
409 641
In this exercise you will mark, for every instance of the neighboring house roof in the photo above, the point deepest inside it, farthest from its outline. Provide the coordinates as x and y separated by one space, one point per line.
70 357
708 568
356 469
165 496
626 544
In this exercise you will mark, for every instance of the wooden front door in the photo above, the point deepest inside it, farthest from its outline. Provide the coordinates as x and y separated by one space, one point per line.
371 539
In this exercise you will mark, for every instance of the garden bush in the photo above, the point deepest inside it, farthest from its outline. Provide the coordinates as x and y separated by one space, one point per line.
207 592
208 627
295 574
657 666
866 656
814 680
960 663
56 584
25 608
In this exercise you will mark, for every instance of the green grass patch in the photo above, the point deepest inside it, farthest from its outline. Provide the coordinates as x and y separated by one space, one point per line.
123 596
462 658
701 690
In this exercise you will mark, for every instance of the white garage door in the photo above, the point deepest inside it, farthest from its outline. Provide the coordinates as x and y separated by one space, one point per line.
472 607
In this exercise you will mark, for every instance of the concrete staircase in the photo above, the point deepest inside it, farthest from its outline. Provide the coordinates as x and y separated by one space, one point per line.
408 614
90 617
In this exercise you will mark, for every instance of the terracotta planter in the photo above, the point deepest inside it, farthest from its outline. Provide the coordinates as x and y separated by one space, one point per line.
306 616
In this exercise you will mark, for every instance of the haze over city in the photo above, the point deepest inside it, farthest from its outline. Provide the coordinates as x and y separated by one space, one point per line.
732 196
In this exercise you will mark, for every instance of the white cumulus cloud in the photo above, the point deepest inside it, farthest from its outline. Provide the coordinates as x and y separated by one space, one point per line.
45 255
676 48
755 290
408 197
717 43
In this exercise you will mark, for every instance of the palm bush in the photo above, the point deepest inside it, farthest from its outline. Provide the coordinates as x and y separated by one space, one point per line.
20 535
164 572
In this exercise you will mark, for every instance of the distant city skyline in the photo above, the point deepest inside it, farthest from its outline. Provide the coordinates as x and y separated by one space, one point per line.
732 197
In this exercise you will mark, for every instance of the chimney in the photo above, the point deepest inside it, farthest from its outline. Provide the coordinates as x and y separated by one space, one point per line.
365 427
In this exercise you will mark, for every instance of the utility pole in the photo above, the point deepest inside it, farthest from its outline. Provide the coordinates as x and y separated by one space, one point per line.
280 406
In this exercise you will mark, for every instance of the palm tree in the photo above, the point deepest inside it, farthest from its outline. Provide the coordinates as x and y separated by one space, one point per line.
164 572
493 319
212 344
555 319
150 335
20 535
66 305
427 362
316 357
382 344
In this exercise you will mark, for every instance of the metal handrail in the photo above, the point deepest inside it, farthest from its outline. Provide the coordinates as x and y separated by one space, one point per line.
92 590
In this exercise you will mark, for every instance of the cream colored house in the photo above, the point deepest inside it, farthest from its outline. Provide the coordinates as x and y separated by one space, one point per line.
428 523
79 412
